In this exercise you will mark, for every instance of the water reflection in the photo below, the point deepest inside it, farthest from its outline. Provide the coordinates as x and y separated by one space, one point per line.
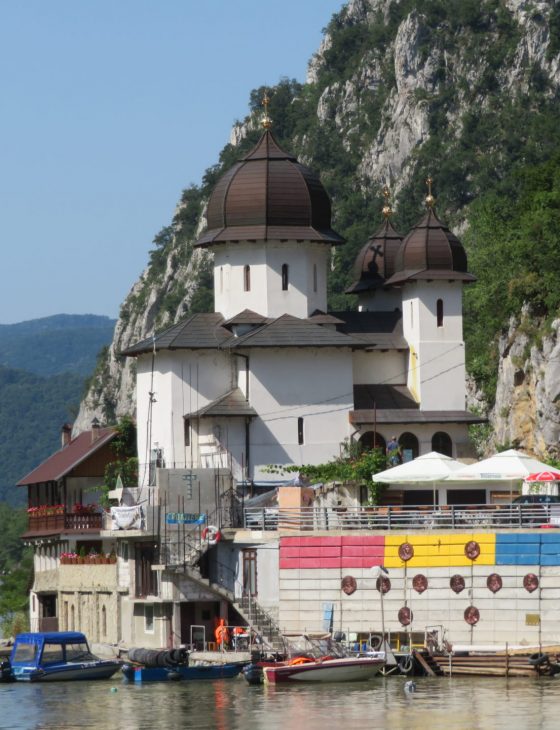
459 703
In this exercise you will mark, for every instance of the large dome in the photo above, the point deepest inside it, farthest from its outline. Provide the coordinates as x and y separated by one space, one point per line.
268 195
430 251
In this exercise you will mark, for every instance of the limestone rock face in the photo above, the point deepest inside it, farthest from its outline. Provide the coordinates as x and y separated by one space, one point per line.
527 410
392 85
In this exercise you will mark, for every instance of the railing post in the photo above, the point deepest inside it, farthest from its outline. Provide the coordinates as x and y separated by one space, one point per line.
388 518
452 516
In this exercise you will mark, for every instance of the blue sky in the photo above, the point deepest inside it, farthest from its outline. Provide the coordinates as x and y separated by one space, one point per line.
109 109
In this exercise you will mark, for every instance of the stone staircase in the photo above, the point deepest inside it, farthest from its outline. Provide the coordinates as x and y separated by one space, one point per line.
261 621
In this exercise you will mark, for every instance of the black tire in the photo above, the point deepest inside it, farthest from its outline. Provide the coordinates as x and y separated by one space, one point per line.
538 659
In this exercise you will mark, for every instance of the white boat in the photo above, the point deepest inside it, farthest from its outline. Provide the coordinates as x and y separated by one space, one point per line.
323 660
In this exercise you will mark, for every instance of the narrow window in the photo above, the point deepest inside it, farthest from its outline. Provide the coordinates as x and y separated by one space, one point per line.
439 308
314 277
284 277
187 429
104 622
148 618
300 430
247 277
221 279
411 314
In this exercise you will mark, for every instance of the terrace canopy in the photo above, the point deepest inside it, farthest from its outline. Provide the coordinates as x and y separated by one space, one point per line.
426 469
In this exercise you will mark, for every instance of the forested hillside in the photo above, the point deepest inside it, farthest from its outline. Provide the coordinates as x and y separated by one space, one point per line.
53 345
466 91
49 359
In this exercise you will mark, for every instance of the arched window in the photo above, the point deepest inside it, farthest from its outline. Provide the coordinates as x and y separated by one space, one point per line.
409 446
441 442
314 277
372 440
411 314
439 311
300 434
221 279
284 277
247 278
103 622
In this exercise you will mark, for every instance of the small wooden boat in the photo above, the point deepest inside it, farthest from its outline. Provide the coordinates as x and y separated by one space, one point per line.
56 656
139 673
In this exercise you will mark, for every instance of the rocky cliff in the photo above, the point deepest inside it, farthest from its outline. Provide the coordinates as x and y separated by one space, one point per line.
397 90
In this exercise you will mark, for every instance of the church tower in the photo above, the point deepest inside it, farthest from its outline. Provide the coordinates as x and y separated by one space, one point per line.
269 227
431 268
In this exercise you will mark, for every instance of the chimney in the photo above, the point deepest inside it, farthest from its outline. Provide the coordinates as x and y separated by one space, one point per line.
94 430
66 434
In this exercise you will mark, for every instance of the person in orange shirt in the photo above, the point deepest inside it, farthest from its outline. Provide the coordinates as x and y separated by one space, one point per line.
222 634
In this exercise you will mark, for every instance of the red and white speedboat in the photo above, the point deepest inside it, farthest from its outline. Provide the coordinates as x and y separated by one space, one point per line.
315 665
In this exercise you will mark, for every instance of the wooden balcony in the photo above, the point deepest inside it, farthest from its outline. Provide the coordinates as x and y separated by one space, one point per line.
63 523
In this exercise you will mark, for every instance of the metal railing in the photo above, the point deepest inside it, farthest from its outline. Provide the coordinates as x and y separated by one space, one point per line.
454 517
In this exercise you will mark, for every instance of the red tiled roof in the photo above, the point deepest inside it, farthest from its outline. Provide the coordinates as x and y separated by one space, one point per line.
61 462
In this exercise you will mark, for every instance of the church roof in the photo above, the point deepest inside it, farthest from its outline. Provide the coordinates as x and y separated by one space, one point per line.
411 415
359 330
268 195
377 330
430 251
199 331
290 331
231 404
375 262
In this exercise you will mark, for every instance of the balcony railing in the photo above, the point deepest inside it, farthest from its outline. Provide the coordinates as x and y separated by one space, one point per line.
446 517
66 522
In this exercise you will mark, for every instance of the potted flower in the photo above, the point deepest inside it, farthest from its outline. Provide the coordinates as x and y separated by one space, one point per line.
82 555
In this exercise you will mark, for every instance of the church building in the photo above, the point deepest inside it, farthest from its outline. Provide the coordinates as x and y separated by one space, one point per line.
271 377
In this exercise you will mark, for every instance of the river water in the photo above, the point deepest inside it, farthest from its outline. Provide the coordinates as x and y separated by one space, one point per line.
473 703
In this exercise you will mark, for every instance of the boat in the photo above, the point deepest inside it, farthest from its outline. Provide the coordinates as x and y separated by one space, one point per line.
321 659
161 665
140 673
57 655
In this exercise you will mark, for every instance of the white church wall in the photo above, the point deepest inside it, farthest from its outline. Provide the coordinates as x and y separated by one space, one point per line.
313 384
182 382
307 271
437 354
379 367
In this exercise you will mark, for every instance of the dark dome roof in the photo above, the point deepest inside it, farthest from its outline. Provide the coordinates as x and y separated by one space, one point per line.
430 251
268 195
376 261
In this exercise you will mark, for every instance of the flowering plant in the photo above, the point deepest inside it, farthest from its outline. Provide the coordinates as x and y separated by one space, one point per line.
68 556
84 509
46 509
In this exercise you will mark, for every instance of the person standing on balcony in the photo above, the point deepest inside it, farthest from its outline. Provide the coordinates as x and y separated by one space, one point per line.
393 452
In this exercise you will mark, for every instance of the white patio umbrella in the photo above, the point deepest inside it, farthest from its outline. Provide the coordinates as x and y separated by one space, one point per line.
432 468
506 466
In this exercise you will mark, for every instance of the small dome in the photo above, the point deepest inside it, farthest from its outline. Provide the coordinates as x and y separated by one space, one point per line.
376 261
268 195
430 251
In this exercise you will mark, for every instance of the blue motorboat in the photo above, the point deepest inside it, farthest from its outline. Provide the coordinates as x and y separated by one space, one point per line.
139 673
58 655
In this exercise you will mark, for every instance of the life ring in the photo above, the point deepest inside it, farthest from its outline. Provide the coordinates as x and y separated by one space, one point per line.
376 641
406 664
212 534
